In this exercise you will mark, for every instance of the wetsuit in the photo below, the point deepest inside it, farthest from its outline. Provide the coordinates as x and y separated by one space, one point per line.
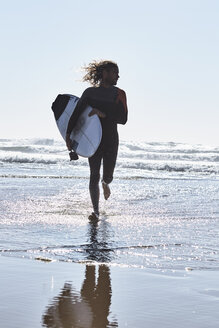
112 102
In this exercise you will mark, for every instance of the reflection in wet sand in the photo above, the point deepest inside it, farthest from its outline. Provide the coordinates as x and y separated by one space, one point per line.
90 307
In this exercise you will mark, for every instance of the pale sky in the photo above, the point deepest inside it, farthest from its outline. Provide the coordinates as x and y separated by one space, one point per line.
167 52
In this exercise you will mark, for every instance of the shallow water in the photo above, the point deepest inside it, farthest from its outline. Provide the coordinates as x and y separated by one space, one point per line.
163 212
156 239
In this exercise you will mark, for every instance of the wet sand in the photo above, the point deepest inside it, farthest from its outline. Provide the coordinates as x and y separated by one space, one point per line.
57 294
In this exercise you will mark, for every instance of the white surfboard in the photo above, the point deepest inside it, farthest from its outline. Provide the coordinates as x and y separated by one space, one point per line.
86 135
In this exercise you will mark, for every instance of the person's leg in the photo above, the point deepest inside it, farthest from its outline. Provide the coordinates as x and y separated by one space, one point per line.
95 163
109 163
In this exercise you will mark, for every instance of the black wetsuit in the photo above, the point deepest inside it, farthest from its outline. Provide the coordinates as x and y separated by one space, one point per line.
112 102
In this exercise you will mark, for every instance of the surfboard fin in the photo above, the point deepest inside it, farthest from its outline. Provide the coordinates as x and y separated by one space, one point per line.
73 156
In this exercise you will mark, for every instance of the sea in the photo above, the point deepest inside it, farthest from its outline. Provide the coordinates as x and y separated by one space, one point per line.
163 212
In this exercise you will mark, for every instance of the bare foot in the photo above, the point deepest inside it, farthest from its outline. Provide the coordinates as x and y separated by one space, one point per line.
106 190
93 217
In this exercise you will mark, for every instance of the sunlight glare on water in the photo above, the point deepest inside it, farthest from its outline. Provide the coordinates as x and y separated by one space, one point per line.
163 212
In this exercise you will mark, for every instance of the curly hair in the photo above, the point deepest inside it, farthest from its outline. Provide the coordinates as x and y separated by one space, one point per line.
95 71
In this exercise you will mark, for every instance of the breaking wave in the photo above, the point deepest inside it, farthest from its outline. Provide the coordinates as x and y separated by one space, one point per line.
149 157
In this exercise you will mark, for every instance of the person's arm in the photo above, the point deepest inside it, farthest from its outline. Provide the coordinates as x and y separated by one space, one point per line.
122 114
83 102
115 111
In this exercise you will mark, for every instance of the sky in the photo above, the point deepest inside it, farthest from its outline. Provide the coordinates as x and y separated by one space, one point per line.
167 52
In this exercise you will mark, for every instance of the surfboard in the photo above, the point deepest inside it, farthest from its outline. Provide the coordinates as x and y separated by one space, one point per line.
86 135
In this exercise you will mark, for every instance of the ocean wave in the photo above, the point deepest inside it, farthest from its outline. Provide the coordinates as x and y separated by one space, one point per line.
21 149
165 166
142 156
138 150
169 156
28 160
216 159
32 150
63 160
164 148
7 153
171 167
43 142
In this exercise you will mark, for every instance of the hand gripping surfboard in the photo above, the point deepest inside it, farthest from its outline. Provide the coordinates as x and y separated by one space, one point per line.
86 135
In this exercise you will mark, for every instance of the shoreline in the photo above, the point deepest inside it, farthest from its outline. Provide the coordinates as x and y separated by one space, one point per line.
36 293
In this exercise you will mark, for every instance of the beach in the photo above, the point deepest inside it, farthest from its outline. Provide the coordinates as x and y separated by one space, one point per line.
36 294
152 260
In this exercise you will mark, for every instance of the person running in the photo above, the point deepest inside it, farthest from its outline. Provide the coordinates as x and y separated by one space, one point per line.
109 103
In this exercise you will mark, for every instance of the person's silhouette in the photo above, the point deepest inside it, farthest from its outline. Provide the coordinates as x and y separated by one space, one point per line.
89 308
